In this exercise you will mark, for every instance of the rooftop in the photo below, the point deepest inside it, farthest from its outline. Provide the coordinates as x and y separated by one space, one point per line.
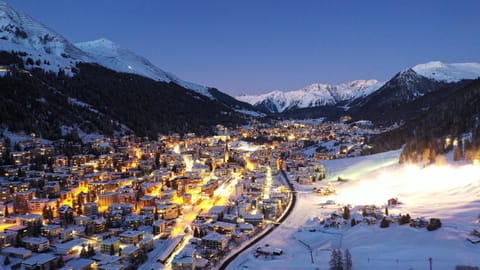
131 233
39 259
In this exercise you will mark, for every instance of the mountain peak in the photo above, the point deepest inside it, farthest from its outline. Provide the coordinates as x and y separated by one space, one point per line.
316 94
109 54
52 52
453 72
20 33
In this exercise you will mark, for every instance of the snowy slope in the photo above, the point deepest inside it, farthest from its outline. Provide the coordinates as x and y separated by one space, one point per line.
316 94
449 193
110 55
21 33
448 72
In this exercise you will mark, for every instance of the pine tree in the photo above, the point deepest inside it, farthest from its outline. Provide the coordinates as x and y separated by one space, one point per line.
348 260
83 252
336 260
7 260
346 213
458 152
61 262
353 222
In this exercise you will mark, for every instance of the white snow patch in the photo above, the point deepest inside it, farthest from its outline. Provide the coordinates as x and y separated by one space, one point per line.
454 72
250 113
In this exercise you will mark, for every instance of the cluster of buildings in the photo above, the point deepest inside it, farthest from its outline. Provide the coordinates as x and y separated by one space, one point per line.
114 203
110 203
328 140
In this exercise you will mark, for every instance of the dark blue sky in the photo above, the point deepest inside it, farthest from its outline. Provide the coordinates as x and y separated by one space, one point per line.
257 46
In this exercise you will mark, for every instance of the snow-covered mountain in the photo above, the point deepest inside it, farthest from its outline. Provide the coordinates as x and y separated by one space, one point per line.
48 49
314 95
110 55
52 52
413 91
454 72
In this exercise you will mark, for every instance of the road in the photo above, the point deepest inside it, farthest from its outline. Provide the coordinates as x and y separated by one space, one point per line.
232 257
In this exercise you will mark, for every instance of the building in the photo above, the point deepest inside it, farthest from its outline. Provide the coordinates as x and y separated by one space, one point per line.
130 252
13 252
223 227
82 220
90 209
124 208
185 259
110 246
21 199
80 264
31 220
131 237
71 247
168 211
215 242
159 226
21 230
5 194
51 188
256 219
38 204
66 235
99 225
108 198
7 238
51 230
146 244
37 244
44 261
65 213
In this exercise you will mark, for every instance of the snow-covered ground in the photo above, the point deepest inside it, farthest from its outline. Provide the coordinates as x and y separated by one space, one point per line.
450 193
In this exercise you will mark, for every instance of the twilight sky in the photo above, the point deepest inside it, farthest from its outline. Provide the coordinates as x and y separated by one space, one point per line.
252 46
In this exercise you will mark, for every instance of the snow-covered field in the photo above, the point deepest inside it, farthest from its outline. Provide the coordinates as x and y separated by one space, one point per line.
450 193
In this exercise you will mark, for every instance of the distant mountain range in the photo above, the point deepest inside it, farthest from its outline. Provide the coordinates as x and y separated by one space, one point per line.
407 93
313 95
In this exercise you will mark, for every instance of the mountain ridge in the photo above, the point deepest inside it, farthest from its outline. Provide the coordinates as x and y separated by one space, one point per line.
316 94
